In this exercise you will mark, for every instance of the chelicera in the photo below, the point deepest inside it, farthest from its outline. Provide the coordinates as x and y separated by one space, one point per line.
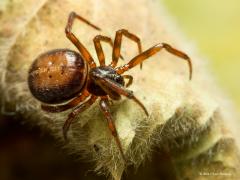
63 79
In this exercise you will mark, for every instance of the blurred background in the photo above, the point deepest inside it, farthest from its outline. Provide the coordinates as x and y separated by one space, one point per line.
213 25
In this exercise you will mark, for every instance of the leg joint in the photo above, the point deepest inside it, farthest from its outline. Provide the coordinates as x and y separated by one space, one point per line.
130 94
96 38
121 31
68 31
72 14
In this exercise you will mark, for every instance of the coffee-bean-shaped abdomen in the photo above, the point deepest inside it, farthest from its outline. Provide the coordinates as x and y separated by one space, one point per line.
57 76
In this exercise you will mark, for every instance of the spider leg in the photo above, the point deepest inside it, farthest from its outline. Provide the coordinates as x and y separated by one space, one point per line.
118 42
97 43
114 88
68 30
130 79
75 112
104 105
74 102
150 52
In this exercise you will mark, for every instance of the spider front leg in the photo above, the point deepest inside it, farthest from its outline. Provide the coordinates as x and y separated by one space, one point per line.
75 112
118 42
68 30
104 105
150 52
97 43
113 88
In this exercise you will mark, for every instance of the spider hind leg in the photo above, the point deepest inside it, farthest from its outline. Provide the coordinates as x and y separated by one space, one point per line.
104 106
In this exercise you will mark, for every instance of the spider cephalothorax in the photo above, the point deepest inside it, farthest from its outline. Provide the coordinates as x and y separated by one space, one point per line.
99 89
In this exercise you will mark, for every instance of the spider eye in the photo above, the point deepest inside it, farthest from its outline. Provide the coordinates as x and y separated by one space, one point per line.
119 79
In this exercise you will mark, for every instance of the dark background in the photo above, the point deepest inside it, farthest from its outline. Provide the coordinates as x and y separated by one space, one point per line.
26 154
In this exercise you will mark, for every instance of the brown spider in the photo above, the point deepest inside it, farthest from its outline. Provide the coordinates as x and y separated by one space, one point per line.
67 77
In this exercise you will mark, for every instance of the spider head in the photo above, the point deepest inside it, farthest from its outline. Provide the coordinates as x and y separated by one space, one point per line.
106 72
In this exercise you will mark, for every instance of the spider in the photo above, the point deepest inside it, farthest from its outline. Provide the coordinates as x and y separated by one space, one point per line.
63 79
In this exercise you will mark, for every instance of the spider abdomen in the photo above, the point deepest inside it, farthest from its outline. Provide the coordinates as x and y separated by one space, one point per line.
57 76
